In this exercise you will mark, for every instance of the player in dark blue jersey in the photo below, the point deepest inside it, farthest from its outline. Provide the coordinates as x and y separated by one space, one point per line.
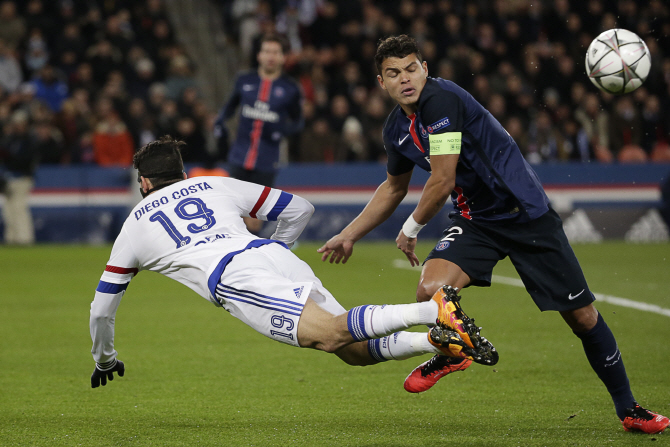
500 210
270 106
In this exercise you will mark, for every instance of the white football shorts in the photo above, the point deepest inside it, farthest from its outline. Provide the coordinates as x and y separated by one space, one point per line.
267 288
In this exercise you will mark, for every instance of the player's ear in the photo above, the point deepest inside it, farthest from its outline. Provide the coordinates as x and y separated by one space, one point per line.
381 81
424 65
145 184
185 175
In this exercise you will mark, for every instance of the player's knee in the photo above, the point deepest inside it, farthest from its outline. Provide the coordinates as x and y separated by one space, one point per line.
426 289
581 320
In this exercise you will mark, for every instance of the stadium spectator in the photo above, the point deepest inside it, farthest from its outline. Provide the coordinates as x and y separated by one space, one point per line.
49 89
12 26
19 156
48 141
596 124
70 40
112 142
196 147
71 124
141 78
655 126
104 58
319 144
180 77
37 51
626 132
10 69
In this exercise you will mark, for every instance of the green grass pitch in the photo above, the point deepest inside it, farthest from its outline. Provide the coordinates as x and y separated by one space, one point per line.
196 376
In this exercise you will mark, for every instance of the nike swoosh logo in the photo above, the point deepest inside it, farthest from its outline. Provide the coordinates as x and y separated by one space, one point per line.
612 356
570 297
404 139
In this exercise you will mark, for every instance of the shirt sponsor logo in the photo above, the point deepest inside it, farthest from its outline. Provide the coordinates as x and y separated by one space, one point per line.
260 111
444 122
248 87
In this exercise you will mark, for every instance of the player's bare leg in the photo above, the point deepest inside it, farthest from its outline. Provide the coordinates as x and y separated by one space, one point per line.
436 273
319 329
582 319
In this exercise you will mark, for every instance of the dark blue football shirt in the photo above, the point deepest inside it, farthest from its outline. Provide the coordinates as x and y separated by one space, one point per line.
269 110
493 180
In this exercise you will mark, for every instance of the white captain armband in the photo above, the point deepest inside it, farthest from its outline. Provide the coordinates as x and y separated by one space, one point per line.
410 228
448 143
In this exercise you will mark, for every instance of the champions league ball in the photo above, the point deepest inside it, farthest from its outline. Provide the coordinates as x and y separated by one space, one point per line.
618 61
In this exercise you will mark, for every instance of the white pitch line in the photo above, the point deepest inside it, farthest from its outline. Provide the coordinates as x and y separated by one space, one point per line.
617 301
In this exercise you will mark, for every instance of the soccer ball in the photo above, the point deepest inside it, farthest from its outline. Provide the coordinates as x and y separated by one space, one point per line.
618 61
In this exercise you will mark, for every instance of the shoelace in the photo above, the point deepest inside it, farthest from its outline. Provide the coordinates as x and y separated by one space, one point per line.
435 365
641 413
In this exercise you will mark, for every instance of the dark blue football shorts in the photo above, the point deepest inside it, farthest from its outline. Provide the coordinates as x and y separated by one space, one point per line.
539 250
259 177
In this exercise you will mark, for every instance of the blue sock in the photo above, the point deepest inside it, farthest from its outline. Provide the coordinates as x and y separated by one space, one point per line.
356 323
603 354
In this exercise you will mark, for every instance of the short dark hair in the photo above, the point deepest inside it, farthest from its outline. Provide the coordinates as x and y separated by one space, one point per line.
396 46
160 161
274 37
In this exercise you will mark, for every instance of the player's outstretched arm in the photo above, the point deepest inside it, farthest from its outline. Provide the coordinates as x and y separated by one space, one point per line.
383 203
293 220
434 196
104 371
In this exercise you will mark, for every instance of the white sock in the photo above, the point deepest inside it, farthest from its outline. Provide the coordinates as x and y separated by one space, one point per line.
399 346
368 322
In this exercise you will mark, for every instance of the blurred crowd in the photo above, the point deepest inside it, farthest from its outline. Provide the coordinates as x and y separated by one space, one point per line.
90 81
523 60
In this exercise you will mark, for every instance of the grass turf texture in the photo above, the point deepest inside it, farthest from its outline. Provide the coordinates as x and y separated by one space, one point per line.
196 376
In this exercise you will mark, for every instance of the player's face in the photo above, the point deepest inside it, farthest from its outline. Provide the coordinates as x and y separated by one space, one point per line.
270 58
404 79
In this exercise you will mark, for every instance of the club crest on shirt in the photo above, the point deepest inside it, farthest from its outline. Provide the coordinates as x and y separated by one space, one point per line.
279 92
444 122
422 129
442 245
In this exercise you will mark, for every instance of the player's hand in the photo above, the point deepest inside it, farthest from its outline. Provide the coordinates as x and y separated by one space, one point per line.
100 377
407 245
338 248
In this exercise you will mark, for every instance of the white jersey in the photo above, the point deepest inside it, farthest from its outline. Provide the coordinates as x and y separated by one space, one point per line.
188 231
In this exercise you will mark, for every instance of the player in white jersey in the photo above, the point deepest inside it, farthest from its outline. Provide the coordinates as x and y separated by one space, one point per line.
192 231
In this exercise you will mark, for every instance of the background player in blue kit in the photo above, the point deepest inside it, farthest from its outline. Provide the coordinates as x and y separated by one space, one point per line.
270 106
500 210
